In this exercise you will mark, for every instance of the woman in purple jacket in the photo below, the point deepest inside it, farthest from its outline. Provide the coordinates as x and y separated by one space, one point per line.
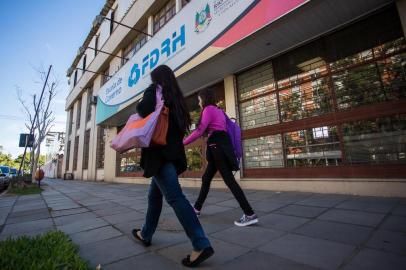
220 155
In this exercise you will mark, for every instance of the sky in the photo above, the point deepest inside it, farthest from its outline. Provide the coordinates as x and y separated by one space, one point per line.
38 33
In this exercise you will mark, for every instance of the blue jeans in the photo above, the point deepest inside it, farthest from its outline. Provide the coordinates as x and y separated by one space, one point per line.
166 183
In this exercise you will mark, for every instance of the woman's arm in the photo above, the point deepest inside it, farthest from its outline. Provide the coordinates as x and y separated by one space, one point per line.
199 131
148 102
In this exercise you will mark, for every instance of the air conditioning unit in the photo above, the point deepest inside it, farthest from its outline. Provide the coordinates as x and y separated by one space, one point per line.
93 100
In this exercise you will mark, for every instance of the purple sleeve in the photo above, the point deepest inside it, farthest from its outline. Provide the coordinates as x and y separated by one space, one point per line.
199 131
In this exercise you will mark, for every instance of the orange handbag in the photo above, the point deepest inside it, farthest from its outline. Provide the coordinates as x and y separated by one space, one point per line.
161 128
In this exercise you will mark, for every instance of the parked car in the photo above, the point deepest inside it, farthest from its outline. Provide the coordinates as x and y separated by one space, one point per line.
13 172
5 170
4 178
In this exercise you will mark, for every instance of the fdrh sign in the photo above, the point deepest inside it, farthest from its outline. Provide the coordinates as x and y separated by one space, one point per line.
168 49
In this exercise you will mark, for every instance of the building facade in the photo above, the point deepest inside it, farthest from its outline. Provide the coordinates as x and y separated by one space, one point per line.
54 152
318 88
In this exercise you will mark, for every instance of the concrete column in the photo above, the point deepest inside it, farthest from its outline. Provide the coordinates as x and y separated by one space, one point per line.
150 26
401 5
178 5
231 104
67 137
110 157
230 97
81 134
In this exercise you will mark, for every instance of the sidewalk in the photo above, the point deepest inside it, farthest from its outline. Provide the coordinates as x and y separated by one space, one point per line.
296 231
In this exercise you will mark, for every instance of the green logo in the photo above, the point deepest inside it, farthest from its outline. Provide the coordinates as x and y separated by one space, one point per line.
202 19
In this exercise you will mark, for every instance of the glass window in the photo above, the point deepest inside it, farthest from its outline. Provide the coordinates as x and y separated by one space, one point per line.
78 113
263 152
75 153
67 155
135 45
194 157
381 140
101 140
129 162
259 112
164 15
106 76
318 146
86 150
305 100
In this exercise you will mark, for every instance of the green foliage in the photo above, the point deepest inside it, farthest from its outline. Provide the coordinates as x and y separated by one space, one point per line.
33 189
53 250
6 160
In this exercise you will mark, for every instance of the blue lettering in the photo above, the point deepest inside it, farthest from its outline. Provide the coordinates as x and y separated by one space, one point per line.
154 59
166 47
135 75
181 38
145 64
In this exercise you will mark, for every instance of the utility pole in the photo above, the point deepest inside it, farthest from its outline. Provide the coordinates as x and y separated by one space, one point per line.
35 118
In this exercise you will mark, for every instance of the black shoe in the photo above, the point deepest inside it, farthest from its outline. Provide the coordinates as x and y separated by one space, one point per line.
144 242
206 253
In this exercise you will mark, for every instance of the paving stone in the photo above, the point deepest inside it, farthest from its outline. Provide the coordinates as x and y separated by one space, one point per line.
28 212
95 235
250 237
369 259
214 209
315 252
395 223
257 260
232 203
323 200
369 206
301 211
24 227
29 233
266 207
112 210
56 207
24 218
64 220
102 206
30 207
68 212
400 210
352 217
288 197
83 225
339 232
122 217
144 261
224 252
110 250
281 222
388 241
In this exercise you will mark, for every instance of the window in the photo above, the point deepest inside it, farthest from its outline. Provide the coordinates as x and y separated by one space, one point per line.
164 15
135 45
70 121
101 138
67 156
106 76
89 105
263 152
84 64
376 141
86 150
112 15
96 45
75 153
75 78
312 147
78 113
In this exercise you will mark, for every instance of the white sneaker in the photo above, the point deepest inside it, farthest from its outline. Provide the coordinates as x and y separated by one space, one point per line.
246 220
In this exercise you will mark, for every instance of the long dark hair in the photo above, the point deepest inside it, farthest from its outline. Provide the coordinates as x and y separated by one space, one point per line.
164 76
208 97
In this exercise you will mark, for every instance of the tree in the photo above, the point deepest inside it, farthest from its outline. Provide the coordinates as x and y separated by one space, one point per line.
45 117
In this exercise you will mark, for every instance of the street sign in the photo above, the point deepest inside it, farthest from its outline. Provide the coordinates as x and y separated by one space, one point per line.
26 138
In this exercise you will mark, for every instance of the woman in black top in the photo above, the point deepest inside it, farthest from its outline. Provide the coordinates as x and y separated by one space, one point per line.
165 163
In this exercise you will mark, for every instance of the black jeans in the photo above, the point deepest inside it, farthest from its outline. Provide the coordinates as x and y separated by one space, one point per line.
218 161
